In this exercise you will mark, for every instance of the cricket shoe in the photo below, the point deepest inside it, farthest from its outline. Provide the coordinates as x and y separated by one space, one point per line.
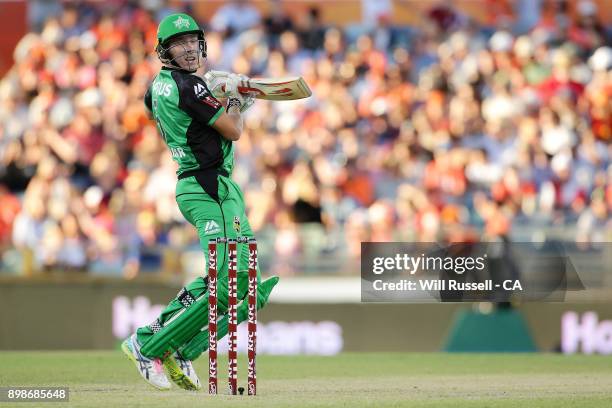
182 373
150 369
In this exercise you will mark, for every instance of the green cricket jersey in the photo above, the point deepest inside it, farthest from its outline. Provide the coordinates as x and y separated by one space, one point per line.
185 110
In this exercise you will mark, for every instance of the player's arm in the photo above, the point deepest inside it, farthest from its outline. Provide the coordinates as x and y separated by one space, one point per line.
198 102
229 124
237 103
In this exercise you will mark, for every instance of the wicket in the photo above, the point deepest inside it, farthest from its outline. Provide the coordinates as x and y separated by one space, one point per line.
232 276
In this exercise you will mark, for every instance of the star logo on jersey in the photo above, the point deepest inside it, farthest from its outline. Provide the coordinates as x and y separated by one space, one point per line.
211 227
181 22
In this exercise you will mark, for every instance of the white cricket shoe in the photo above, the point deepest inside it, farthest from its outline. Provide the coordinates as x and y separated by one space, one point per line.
150 369
182 373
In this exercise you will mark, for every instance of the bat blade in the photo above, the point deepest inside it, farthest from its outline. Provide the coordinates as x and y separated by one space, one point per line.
275 89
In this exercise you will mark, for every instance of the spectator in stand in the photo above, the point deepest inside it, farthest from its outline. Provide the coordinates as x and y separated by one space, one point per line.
235 17
276 23
465 127
586 31
310 30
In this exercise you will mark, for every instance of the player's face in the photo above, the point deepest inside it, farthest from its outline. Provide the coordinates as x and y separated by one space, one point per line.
185 50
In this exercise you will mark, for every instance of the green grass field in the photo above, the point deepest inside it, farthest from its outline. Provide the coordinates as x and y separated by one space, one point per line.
108 379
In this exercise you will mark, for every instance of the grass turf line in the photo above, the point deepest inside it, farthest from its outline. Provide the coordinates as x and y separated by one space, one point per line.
107 378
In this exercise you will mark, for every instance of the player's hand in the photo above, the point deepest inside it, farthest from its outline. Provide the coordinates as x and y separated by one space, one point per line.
234 98
231 87
247 99
215 80
225 85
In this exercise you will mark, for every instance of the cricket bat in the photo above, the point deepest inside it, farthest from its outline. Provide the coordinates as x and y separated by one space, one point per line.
272 89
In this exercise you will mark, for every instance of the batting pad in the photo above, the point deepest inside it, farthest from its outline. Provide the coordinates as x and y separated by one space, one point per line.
199 343
188 321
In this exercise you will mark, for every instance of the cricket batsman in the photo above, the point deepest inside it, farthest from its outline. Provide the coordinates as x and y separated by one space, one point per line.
199 131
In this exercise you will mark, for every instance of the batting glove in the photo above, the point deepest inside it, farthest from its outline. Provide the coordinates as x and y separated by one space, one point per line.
231 87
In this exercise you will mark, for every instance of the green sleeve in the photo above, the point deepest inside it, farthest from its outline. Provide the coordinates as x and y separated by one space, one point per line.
214 118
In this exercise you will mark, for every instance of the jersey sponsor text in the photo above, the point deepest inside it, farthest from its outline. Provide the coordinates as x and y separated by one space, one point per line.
177 152
162 88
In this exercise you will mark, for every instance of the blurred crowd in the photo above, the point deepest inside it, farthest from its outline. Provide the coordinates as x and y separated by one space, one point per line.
451 130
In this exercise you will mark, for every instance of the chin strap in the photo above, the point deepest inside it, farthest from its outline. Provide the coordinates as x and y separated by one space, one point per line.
173 64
